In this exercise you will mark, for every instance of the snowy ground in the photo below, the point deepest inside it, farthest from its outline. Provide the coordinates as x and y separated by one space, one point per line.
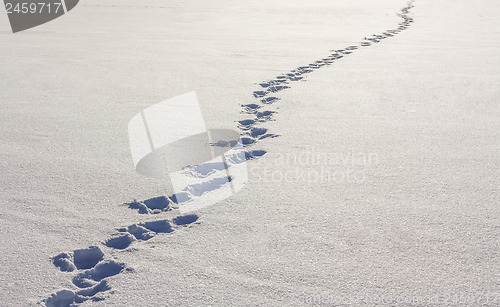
414 214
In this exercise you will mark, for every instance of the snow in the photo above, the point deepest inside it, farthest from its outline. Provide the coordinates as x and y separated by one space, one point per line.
372 139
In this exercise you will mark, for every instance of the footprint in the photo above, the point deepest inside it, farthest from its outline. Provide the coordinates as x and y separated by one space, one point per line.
246 124
206 169
161 202
68 298
139 232
224 144
249 155
162 226
269 100
246 141
277 88
145 231
307 70
152 206
121 241
295 78
265 115
87 258
269 135
259 94
64 262
95 269
103 286
273 83
102 270
199 189
62 298
81 259
180 197
185 220
250 108
257 132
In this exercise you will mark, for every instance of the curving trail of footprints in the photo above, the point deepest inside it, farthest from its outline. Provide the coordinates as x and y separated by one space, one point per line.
90 268
261 111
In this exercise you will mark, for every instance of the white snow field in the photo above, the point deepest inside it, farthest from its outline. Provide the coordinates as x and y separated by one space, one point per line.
372 131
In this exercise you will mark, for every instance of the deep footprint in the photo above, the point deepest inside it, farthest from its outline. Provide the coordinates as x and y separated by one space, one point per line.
81 259
152 206
103 270
121 241
87 258
185 220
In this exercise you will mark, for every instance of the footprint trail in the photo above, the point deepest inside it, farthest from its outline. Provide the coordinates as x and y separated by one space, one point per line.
91 268
259 112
